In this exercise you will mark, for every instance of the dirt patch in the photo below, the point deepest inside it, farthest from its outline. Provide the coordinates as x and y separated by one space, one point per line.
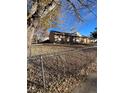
89 86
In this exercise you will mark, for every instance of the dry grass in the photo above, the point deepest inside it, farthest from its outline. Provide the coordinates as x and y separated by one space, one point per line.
63 71
38 49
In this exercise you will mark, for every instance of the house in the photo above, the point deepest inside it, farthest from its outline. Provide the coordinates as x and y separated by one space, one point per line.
72 38
85 39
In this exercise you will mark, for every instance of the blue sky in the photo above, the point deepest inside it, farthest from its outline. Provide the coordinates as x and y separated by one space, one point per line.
71 22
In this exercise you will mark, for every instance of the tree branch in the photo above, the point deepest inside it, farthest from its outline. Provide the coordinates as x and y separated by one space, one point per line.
87 6
75 10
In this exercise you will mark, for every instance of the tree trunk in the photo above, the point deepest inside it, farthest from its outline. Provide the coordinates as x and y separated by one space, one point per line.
30 34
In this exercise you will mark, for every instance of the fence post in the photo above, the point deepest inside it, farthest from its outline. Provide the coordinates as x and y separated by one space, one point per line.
43 72
63 60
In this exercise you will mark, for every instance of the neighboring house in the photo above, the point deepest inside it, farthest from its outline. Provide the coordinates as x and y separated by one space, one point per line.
39 39
63 37
40 36
93 40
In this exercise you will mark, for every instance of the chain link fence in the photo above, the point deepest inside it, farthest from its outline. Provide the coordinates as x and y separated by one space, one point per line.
46 70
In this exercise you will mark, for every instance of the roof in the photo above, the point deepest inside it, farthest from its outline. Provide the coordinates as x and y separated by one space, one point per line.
60 32
84 36
92 38
55 31
72 34
76 34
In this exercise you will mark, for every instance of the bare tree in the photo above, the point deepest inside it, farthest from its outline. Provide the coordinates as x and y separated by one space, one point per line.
38 14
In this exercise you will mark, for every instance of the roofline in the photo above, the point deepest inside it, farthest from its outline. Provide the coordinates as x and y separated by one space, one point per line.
83 36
